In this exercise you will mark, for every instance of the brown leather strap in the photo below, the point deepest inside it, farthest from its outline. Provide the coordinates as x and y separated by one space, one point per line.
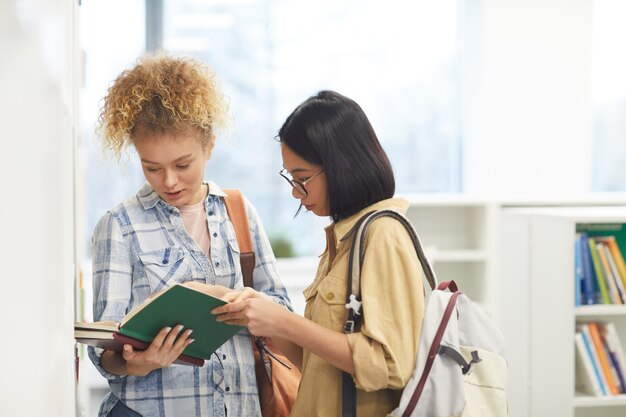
236 209
434 350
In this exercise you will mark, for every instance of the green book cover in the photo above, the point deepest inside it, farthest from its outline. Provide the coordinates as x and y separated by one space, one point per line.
605 229
180 305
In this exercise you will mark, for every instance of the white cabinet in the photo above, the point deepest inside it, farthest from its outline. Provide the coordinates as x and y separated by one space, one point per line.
539 315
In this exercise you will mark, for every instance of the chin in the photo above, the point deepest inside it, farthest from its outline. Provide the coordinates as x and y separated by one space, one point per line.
320 213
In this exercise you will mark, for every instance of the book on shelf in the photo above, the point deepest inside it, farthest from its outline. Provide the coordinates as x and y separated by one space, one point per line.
597 267
616 253
616 351
586 379
578 283
605 365
613 290
589 283
583 330
614 272
175 305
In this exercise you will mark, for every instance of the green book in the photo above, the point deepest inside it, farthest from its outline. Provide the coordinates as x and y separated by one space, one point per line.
175 305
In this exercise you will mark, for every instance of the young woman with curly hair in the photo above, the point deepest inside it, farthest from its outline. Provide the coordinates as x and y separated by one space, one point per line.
175 229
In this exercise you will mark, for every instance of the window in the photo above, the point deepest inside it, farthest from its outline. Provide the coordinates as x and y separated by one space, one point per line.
608 72
399 60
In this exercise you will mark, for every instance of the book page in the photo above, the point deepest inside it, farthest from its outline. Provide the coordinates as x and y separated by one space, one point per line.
104 326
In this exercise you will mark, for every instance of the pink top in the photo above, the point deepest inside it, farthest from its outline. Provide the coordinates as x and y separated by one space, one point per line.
195 221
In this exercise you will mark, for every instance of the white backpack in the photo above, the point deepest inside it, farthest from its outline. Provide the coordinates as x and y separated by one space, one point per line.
460 368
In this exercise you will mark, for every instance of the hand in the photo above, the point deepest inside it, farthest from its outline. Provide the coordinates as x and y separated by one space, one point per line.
243 294
166 347
261 315
214 290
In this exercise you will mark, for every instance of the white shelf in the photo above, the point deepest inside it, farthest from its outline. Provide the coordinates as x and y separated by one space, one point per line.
581 400
460 255
600 310
539 314
457 233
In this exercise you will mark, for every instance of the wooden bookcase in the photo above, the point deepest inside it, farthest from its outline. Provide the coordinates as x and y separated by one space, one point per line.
539 316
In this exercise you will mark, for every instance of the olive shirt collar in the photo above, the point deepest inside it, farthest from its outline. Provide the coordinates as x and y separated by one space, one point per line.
337 232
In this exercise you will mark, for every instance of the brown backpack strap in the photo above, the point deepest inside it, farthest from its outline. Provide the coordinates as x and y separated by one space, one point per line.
236 209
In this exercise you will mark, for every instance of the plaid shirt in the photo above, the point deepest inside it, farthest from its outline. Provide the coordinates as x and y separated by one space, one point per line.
129 245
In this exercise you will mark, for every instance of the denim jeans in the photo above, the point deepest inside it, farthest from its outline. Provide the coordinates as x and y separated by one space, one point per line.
120 410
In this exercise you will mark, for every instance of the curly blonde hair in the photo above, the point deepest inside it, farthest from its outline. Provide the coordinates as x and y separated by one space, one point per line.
162 94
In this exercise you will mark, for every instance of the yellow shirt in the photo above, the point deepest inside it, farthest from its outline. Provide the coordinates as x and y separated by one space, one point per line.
384 349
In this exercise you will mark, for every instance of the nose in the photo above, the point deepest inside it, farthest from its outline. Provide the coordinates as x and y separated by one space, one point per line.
298 195
170 179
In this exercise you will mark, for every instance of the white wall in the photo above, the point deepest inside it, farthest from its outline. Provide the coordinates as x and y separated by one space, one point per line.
36 207
529 111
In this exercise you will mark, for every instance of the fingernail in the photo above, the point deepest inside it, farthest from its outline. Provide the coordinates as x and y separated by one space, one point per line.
189 331
168 329
190 341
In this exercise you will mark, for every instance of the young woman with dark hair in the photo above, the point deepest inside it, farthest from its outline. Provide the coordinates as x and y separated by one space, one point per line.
333 132
337 168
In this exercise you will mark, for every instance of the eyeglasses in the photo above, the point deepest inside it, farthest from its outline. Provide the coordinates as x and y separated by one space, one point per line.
298 185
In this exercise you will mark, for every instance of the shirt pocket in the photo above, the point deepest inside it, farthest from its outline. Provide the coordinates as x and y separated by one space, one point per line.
225 258
328 302
164 267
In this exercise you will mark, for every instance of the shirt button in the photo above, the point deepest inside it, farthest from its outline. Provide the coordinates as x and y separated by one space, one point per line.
210 213
330 295
227 389
214 234
223 356
217 264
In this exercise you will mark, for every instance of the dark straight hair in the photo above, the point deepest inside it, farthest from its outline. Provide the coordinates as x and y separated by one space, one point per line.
331 130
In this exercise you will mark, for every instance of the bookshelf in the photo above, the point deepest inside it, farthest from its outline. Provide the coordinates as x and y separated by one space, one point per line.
458 234
539 313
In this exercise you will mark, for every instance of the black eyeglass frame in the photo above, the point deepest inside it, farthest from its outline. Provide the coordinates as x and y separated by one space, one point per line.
299 186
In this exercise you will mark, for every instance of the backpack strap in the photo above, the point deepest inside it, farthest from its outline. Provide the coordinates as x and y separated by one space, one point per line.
236 208
357 252
353 301
435 348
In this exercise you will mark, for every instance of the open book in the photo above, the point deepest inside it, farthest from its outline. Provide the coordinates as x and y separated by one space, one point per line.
175 305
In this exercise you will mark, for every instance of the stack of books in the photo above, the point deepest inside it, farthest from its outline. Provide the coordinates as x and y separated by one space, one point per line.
600 270
176 305
600 360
